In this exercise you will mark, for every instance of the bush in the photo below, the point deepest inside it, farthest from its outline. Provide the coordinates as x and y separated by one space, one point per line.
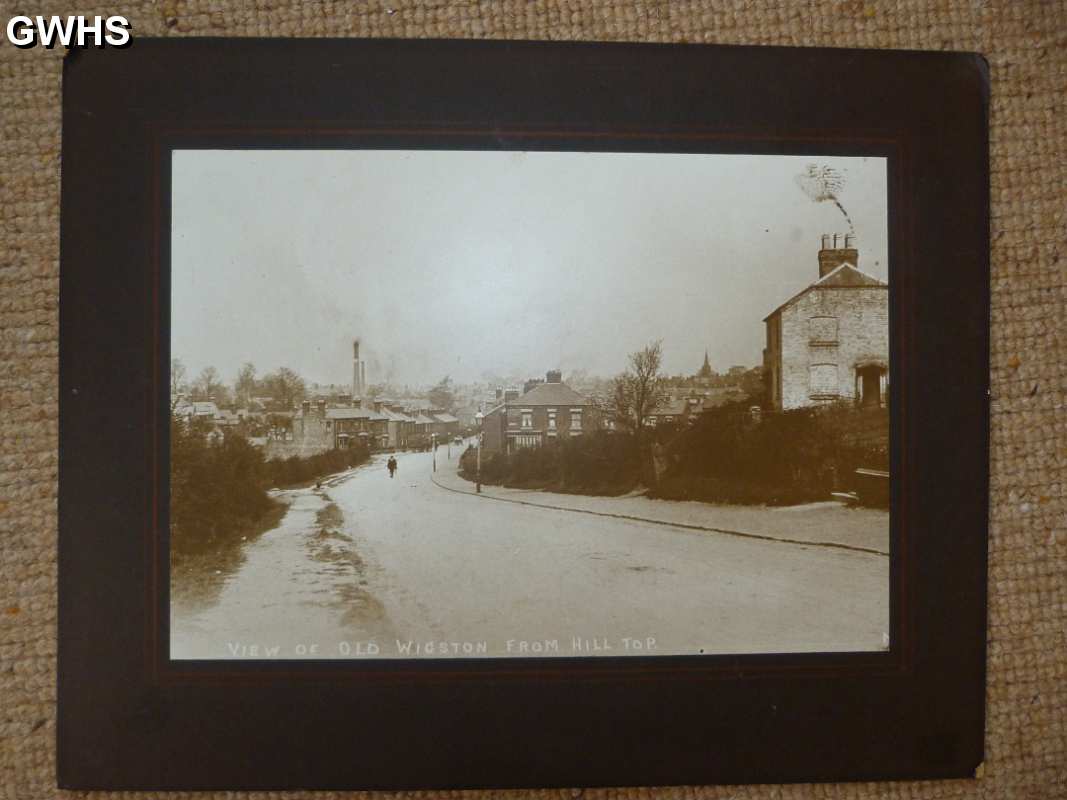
779 459
293 471
599 464
218 492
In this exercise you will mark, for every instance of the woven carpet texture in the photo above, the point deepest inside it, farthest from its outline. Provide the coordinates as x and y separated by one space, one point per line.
1026 44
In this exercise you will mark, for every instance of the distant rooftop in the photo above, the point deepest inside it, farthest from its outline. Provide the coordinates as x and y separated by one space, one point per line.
552 394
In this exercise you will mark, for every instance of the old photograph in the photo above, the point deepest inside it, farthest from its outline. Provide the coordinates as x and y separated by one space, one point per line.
509 404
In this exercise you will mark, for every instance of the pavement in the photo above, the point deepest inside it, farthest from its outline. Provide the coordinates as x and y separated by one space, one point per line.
369 566
828 523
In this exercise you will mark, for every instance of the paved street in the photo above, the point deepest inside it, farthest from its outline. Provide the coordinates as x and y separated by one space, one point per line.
369 566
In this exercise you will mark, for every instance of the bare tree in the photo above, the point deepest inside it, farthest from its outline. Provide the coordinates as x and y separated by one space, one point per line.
285 386
245 384
442 395
177 376
637 389
209 386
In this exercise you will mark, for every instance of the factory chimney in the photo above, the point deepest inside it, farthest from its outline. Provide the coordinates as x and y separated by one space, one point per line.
359 373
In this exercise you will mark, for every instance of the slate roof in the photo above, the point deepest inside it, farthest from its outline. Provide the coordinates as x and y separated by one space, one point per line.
445 418
674 408
844 277
353 413
498 407
199 408
551 394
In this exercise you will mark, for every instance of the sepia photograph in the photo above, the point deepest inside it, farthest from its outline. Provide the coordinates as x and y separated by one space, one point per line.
430 404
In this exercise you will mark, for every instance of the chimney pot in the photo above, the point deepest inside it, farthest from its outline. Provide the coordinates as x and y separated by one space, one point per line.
830 258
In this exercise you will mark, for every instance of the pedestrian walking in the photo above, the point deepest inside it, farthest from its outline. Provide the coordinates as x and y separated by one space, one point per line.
391 464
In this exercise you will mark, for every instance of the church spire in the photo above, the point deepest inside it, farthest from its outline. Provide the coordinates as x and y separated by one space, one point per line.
705 371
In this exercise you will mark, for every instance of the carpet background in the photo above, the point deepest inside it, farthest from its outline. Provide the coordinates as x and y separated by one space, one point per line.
1026 44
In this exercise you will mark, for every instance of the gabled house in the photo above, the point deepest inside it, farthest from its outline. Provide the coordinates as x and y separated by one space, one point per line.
550 411
830 341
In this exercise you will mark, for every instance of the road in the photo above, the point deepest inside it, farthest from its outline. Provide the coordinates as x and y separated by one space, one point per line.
368 566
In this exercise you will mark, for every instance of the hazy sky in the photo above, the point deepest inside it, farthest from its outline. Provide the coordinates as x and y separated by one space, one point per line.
463 263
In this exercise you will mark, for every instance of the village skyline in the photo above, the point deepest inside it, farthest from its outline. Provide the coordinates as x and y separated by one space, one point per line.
568 268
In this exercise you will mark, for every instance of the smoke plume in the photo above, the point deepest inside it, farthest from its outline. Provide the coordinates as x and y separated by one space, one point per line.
822 183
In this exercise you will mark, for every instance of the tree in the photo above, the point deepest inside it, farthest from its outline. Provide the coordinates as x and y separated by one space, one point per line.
177 376
208 386
245 385
752 384
385 389
285 386
637 389
441 395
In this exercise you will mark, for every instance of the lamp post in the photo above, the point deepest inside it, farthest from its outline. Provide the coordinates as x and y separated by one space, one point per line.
433 446
478 475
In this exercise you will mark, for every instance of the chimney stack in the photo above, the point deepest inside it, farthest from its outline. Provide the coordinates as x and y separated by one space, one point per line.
553 376
837 249
511 394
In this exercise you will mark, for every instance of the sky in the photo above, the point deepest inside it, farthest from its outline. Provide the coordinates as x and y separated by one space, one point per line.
471 264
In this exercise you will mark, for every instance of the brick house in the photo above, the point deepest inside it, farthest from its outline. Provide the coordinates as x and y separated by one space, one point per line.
399 426
445 425
317 428
830 341
550 411
347 425
674 411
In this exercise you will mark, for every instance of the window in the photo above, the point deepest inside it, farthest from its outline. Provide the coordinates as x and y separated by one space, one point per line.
823 380
822 330
576 420
527 419
551 420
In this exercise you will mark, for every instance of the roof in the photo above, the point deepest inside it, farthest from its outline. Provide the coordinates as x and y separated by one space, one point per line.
353 413
551 394
422 419
445 418
670 408
845 276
